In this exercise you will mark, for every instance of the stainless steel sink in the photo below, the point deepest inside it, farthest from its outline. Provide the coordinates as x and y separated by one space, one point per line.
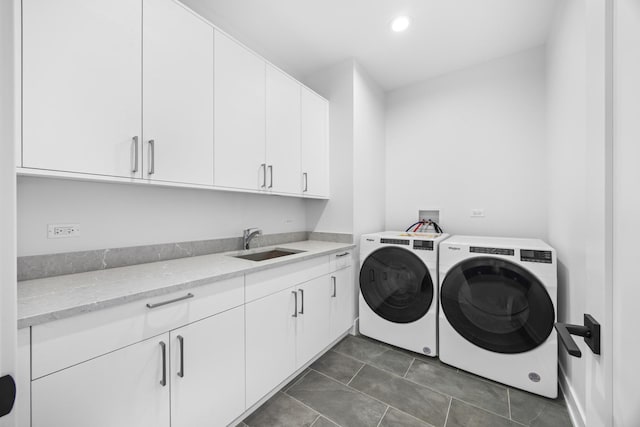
265 255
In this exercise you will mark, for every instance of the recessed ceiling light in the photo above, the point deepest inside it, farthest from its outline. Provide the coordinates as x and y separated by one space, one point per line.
400 24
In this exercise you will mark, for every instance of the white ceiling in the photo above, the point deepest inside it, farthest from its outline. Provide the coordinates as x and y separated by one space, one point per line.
302 36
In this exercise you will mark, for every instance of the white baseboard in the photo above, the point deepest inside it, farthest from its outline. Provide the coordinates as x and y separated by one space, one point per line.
576 412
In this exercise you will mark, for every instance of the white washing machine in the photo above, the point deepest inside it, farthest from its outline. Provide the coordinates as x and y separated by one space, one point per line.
399 289
498 308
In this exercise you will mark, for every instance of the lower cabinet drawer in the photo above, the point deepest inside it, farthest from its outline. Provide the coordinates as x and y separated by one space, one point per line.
340 260
63 343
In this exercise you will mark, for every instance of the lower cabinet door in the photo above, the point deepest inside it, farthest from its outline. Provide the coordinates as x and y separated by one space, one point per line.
122 388
314 319
207 371
270 342
342 301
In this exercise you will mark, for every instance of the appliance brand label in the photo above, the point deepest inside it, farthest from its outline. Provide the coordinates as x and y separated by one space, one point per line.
453 248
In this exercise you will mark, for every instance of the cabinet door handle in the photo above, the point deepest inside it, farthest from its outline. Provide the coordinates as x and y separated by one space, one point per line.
263 166
181 342
160 304
301 301
306 181
295 300
333 280
341 255
163 347
270 176
134 155
152 157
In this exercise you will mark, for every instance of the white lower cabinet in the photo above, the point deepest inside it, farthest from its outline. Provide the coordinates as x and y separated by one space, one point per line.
270 342
207 371
342 301
122 388
313 324
201 359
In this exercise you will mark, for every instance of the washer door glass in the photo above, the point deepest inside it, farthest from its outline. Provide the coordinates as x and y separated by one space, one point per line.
396 284
497 305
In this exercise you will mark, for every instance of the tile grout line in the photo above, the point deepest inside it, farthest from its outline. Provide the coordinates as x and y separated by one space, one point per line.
446 419
354 375
316 420
304 374
383 415
409 368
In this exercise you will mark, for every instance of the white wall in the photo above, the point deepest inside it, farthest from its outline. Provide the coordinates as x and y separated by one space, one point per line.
626 208
471 139
336 215
9 128
368 155
567 186
119 215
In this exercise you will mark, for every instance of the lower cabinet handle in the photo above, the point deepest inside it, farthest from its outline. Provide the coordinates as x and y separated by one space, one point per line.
163 381
333 279
263 166
341 255
134 157
301 301
181 371
160 304
270 176
152 157
295 308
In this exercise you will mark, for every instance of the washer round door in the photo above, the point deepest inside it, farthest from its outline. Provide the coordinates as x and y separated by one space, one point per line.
396 284
497 305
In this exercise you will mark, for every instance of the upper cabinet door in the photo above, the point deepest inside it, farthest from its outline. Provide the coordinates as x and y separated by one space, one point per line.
82 85
283 133
178 94
239 116
315 144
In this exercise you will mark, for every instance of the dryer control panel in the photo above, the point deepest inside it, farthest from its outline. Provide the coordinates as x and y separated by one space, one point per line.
423 245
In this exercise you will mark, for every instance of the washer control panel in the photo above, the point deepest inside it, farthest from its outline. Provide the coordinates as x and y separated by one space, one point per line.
423 245
530 255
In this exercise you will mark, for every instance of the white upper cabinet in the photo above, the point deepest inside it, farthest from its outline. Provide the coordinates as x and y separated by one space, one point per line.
178 94
239 78
82 62
283 133
315 144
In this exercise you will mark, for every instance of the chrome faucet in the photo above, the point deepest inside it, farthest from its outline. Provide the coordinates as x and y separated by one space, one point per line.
248 235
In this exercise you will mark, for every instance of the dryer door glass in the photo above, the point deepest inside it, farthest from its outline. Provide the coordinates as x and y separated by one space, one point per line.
396 284
497 305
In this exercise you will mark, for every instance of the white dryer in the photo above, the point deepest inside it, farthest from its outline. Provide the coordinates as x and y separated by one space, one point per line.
399 289
498 308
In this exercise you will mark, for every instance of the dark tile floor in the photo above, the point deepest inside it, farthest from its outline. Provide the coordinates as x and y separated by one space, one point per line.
365 383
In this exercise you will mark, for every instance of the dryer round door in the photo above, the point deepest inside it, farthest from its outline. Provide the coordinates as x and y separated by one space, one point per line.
396 284
497 305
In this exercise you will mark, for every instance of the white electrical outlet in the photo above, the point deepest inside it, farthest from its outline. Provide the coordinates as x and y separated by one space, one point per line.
477 213
63 231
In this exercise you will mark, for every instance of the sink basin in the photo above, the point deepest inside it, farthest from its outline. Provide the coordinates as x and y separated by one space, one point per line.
265 255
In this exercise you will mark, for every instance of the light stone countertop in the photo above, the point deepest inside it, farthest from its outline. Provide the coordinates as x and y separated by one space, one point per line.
53 298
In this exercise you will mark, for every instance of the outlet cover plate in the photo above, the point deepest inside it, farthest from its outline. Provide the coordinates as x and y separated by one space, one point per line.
63 231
